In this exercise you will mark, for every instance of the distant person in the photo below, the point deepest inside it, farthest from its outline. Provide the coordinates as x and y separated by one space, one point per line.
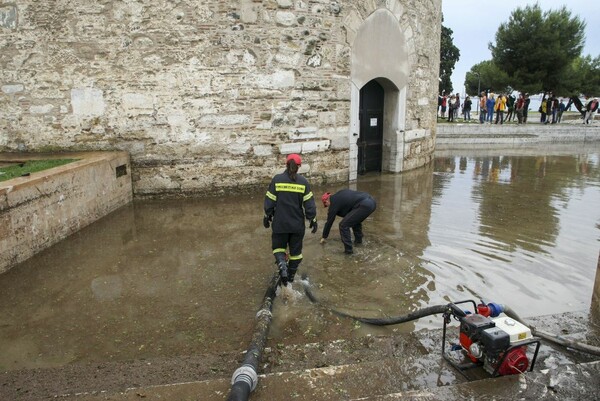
548 108
519 106
288 202
543 109
489 105
590 110
456 106
527 101
499 108
467 108
444 104
451 108
354 207
482 107
555 106
561 110
510 108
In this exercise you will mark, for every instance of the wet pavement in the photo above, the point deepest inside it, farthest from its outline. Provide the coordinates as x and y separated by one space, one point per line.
159 286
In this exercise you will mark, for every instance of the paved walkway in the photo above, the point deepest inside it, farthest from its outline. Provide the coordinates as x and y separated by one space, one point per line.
572 131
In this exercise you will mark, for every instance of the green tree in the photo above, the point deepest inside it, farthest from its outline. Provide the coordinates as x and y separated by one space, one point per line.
537 48
487 76
586 71
449 55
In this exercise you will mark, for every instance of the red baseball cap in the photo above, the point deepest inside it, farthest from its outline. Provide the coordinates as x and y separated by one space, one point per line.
325 197
294 157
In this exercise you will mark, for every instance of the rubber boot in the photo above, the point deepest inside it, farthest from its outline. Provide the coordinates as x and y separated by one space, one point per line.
293 268
358 234
283 267
348 248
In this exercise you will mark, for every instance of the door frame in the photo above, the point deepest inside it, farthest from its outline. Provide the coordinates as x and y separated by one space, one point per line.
372 57
394 110
374 108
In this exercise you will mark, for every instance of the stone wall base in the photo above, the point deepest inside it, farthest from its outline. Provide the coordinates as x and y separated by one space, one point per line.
48 206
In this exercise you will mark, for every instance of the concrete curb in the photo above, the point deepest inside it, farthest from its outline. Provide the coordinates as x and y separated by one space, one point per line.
516 135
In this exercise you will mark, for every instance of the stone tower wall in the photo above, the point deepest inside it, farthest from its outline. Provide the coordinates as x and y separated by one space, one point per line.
205 95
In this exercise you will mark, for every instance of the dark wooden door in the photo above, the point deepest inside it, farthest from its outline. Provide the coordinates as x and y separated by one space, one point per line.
370 141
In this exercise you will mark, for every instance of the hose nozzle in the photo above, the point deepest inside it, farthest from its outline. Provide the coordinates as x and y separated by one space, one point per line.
490 310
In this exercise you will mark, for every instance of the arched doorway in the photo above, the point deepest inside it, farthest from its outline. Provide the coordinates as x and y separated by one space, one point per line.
370 140
379 72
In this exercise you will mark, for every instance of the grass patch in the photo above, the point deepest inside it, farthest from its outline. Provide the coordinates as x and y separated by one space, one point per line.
30 166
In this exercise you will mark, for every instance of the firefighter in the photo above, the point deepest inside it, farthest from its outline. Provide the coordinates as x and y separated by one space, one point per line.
288 201
354 207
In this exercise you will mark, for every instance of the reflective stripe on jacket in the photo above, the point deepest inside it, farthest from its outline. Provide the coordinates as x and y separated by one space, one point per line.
289 202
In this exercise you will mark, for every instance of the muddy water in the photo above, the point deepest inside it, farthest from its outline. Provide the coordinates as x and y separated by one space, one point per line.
185 277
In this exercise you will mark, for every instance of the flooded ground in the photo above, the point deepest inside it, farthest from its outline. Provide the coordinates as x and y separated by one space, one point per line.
185 277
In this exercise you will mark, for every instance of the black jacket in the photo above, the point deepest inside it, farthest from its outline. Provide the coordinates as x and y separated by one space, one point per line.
289 202
342 202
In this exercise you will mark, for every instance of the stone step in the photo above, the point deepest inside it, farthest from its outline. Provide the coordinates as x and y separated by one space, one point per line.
565 382
341 382
115 377
373 382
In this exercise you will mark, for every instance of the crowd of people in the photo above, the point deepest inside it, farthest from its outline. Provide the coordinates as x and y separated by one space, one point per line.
500 108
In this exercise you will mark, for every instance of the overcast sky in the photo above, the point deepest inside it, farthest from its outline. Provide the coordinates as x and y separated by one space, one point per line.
475 23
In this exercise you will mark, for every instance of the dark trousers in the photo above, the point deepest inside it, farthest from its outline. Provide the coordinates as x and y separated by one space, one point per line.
500 116
279 243
354 219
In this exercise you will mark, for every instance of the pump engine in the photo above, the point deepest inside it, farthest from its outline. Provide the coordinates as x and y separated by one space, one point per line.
494 340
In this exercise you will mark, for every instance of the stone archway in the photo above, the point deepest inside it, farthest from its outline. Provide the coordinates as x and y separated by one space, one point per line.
380 52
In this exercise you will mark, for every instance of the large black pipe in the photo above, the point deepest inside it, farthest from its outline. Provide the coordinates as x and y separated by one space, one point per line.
554 338
245 378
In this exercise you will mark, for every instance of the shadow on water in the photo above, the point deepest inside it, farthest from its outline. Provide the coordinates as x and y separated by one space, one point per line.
185 277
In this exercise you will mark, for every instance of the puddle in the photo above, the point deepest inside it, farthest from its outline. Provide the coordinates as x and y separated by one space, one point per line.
186 277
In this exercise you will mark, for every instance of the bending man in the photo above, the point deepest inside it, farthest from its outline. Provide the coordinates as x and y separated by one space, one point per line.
354 207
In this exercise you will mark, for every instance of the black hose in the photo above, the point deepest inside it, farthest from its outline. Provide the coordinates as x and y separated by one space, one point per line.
245 378
453 309
554 338
418 314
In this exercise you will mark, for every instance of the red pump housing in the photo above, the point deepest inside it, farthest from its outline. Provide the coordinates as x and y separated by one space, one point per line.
515 362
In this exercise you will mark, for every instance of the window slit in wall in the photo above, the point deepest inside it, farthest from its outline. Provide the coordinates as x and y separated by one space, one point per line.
121 170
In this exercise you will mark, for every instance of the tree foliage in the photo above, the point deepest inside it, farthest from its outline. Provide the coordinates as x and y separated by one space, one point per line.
536 49
449 55
586 71
487 76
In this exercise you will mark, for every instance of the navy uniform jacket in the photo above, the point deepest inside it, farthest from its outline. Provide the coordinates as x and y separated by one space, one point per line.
342 202
288 201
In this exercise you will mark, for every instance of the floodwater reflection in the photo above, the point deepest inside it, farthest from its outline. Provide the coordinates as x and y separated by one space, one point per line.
185 277
524 230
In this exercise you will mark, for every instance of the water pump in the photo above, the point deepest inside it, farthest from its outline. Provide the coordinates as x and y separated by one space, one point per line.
489 338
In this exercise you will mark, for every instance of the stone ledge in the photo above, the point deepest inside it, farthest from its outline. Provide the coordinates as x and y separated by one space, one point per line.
516 134
39 210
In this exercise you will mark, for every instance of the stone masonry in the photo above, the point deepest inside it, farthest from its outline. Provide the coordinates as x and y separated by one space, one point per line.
206 95
40 210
